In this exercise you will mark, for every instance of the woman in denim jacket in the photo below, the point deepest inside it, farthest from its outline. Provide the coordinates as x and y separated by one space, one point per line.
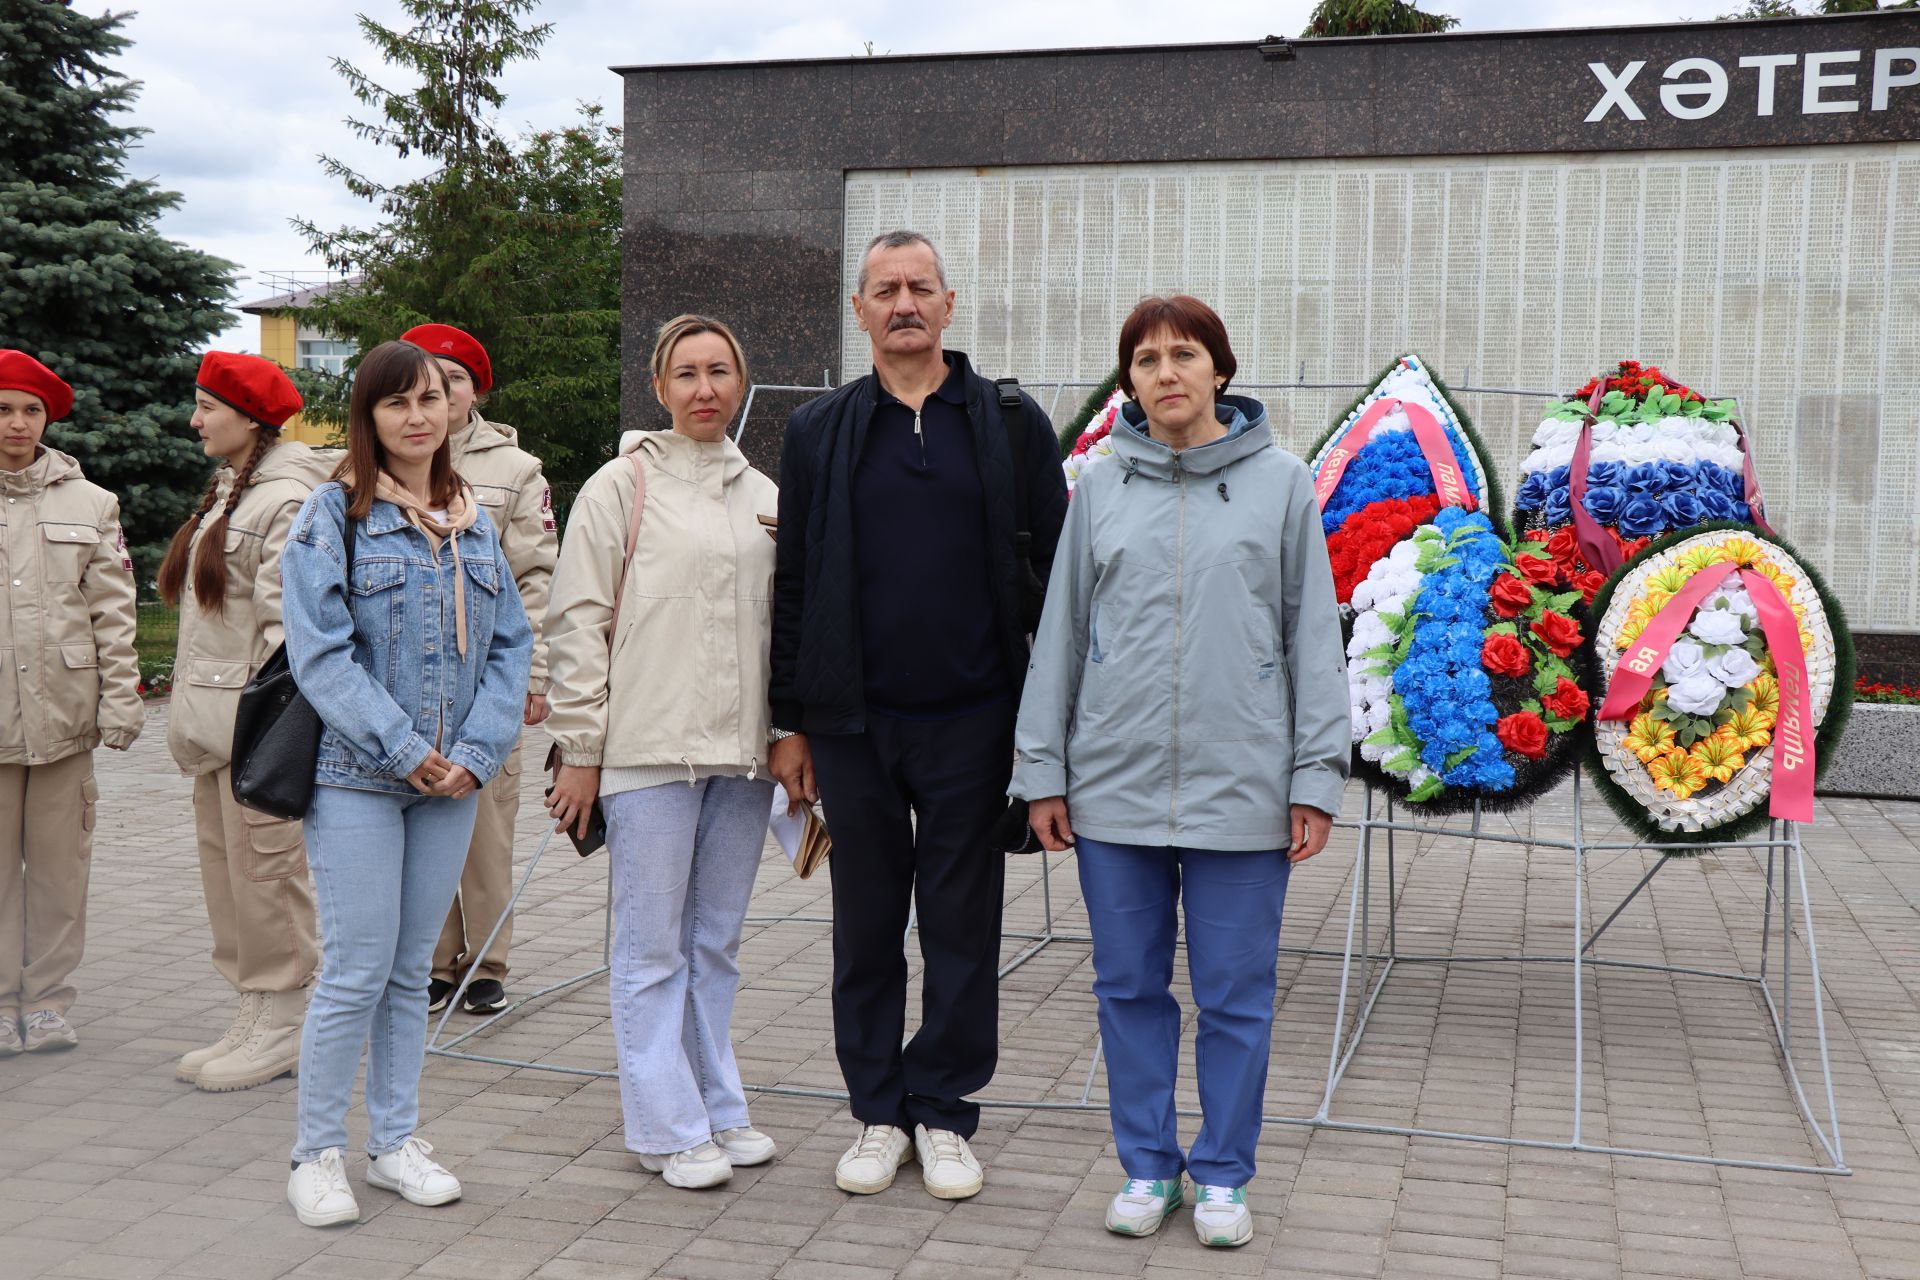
415 656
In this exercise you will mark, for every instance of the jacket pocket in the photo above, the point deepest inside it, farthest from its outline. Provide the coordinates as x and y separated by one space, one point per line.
275 849
72 691
65 550
505 787
215 673
377 598
1270 692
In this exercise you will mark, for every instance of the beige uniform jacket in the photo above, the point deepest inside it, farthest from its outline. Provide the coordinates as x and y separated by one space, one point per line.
686 677
70 679
507 482
219 650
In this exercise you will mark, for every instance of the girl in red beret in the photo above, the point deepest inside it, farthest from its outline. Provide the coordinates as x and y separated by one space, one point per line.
223 571
69 680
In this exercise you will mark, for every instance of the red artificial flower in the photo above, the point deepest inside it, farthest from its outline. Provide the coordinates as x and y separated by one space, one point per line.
1558 632
1524 733
1563 546
1510 595
1370 533
1589 583
1504 655
1534 569
1568 700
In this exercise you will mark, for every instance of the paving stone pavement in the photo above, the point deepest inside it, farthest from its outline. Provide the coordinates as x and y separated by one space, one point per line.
110 1168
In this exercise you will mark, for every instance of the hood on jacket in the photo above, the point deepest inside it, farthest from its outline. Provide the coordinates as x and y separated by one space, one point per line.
677 455
50 468
291 460
485 434
1247 433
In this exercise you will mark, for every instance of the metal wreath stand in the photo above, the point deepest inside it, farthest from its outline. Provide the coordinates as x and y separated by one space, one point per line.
1784 855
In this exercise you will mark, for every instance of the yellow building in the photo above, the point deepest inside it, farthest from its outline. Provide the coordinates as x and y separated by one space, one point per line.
287 339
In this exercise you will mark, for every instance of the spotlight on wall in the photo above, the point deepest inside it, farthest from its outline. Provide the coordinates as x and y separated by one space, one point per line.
1276 49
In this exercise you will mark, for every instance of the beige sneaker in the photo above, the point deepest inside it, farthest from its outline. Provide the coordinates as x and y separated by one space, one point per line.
46 1031
10 1041
947 1164
271 1049
188 1068
745 1146
693 1169
870 1163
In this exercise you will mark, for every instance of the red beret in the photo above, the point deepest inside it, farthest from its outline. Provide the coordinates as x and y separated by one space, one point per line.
21 372
457 345
254 385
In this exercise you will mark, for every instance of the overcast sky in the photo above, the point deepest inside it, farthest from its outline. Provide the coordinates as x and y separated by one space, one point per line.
241 96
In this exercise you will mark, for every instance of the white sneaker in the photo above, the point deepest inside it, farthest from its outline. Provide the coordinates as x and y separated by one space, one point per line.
870 1163
745 1146
947 1166
1143 1204
703 1166
10 1041
47 1031
319 1192
407 1169
1221 1218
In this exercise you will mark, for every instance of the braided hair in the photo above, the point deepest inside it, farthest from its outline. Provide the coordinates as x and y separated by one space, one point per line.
210 561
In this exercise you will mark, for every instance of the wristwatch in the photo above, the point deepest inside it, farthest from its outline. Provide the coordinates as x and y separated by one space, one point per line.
775 735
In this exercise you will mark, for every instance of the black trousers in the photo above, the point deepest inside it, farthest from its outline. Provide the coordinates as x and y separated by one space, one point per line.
910 805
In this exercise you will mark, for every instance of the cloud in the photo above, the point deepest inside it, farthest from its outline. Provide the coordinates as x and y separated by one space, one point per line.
240 98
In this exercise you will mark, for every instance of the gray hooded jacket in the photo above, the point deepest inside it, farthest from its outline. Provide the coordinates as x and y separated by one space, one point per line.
1188 681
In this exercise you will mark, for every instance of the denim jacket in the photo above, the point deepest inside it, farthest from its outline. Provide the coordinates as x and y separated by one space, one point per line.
379 661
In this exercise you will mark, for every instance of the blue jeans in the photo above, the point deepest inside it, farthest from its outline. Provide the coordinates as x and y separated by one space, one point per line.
1233 903
385 868
683 860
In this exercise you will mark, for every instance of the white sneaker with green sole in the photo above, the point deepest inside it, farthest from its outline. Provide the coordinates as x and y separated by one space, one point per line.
1221 1218
1143 1204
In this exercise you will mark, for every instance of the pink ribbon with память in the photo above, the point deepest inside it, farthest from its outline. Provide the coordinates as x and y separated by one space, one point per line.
1448 484
1793 752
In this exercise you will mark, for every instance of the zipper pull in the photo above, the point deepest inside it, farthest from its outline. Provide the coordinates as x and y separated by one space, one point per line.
921 437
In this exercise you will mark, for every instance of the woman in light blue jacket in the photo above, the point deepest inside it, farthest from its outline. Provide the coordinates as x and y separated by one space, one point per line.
1186 721
411 644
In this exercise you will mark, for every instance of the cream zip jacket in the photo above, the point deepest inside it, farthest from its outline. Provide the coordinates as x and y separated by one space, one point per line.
69 677
686 676
218 652
509 486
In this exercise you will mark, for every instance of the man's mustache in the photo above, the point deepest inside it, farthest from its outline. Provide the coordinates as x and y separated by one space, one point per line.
905 322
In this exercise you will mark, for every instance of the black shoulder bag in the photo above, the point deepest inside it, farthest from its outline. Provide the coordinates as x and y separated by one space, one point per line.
1033 592
276 734
1011 834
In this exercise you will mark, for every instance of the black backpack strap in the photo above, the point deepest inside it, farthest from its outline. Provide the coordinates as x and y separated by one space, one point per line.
1013 411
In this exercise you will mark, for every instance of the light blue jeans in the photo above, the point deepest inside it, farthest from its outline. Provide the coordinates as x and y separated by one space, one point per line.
385 868
684 859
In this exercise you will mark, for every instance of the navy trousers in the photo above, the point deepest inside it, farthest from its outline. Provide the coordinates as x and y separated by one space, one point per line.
1233 903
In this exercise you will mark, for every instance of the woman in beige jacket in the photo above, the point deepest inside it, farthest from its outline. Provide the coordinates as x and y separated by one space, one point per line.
223 570
659 700
69 681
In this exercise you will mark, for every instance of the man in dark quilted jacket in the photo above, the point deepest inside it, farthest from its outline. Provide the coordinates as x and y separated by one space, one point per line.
899 648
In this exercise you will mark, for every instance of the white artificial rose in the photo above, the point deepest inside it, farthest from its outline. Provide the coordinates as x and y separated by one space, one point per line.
1548 457
1734 599
1634 453
1733 668
1686 658
1718 626
1605 432
1698 695
1639 432
1554 433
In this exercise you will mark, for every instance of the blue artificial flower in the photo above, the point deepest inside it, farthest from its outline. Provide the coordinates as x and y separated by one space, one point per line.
1717 505
1683 509
1533 491
1559 506
1727 481
1741 511
1559 477
1679 474
1392 466
1648 477
1605 475
1642 516
1604 504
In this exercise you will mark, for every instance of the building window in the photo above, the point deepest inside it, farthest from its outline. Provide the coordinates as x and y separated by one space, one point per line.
325 354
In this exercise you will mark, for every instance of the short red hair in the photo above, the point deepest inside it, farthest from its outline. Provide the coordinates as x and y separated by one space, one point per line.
1185 316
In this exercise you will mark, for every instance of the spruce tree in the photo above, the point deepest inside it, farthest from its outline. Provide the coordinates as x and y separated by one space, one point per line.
515 240
88 285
